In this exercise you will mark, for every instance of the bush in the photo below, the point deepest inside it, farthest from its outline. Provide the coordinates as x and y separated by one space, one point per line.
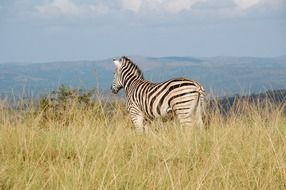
61 101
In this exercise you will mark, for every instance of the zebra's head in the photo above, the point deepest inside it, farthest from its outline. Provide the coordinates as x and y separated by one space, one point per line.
123 67
117 83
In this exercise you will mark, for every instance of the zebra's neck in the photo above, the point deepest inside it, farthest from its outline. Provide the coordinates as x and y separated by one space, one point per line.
131 81
130 74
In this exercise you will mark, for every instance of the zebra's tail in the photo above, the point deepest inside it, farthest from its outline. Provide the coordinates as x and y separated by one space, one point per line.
200 108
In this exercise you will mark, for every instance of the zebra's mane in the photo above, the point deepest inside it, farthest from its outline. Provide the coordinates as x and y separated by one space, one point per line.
129 61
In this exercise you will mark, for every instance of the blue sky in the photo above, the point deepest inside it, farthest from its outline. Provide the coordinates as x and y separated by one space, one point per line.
62 30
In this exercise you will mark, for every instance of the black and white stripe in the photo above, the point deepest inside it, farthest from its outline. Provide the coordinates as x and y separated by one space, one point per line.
183 97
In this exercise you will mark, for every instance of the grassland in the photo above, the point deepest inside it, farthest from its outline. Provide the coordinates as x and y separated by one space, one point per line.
96 148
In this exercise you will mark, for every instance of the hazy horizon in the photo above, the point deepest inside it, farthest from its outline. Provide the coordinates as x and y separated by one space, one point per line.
137 56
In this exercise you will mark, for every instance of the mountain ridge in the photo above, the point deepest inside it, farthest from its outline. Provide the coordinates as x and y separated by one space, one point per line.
220 75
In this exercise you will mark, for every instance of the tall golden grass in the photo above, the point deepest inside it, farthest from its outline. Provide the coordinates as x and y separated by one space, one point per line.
96 148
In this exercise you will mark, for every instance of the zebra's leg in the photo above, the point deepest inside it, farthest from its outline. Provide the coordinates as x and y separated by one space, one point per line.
137 119
185 113
185 116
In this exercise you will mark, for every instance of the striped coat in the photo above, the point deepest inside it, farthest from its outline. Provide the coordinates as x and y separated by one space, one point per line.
183 97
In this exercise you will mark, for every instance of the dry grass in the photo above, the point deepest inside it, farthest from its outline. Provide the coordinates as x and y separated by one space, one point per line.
95 149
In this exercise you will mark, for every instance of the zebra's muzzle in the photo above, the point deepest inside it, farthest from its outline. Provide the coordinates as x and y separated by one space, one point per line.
114 91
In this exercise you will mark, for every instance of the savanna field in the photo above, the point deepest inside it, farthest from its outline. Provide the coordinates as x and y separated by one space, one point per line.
93 146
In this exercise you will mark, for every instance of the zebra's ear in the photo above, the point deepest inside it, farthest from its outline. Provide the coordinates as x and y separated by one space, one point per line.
117 63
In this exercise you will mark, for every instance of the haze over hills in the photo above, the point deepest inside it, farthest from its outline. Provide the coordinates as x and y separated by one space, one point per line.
221 75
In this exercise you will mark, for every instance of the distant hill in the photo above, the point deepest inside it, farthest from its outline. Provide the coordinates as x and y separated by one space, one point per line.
226 103
219 75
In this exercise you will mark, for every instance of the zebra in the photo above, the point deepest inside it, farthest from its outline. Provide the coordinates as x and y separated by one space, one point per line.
146 100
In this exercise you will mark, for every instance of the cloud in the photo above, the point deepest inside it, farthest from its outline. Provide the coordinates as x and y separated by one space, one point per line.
225 8
68 7
59 6
132 5
177 6
169 6
245 4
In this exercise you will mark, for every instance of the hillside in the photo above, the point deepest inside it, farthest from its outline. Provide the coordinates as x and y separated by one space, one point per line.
221 75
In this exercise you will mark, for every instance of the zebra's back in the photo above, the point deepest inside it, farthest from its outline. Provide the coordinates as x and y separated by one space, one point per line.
179 95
